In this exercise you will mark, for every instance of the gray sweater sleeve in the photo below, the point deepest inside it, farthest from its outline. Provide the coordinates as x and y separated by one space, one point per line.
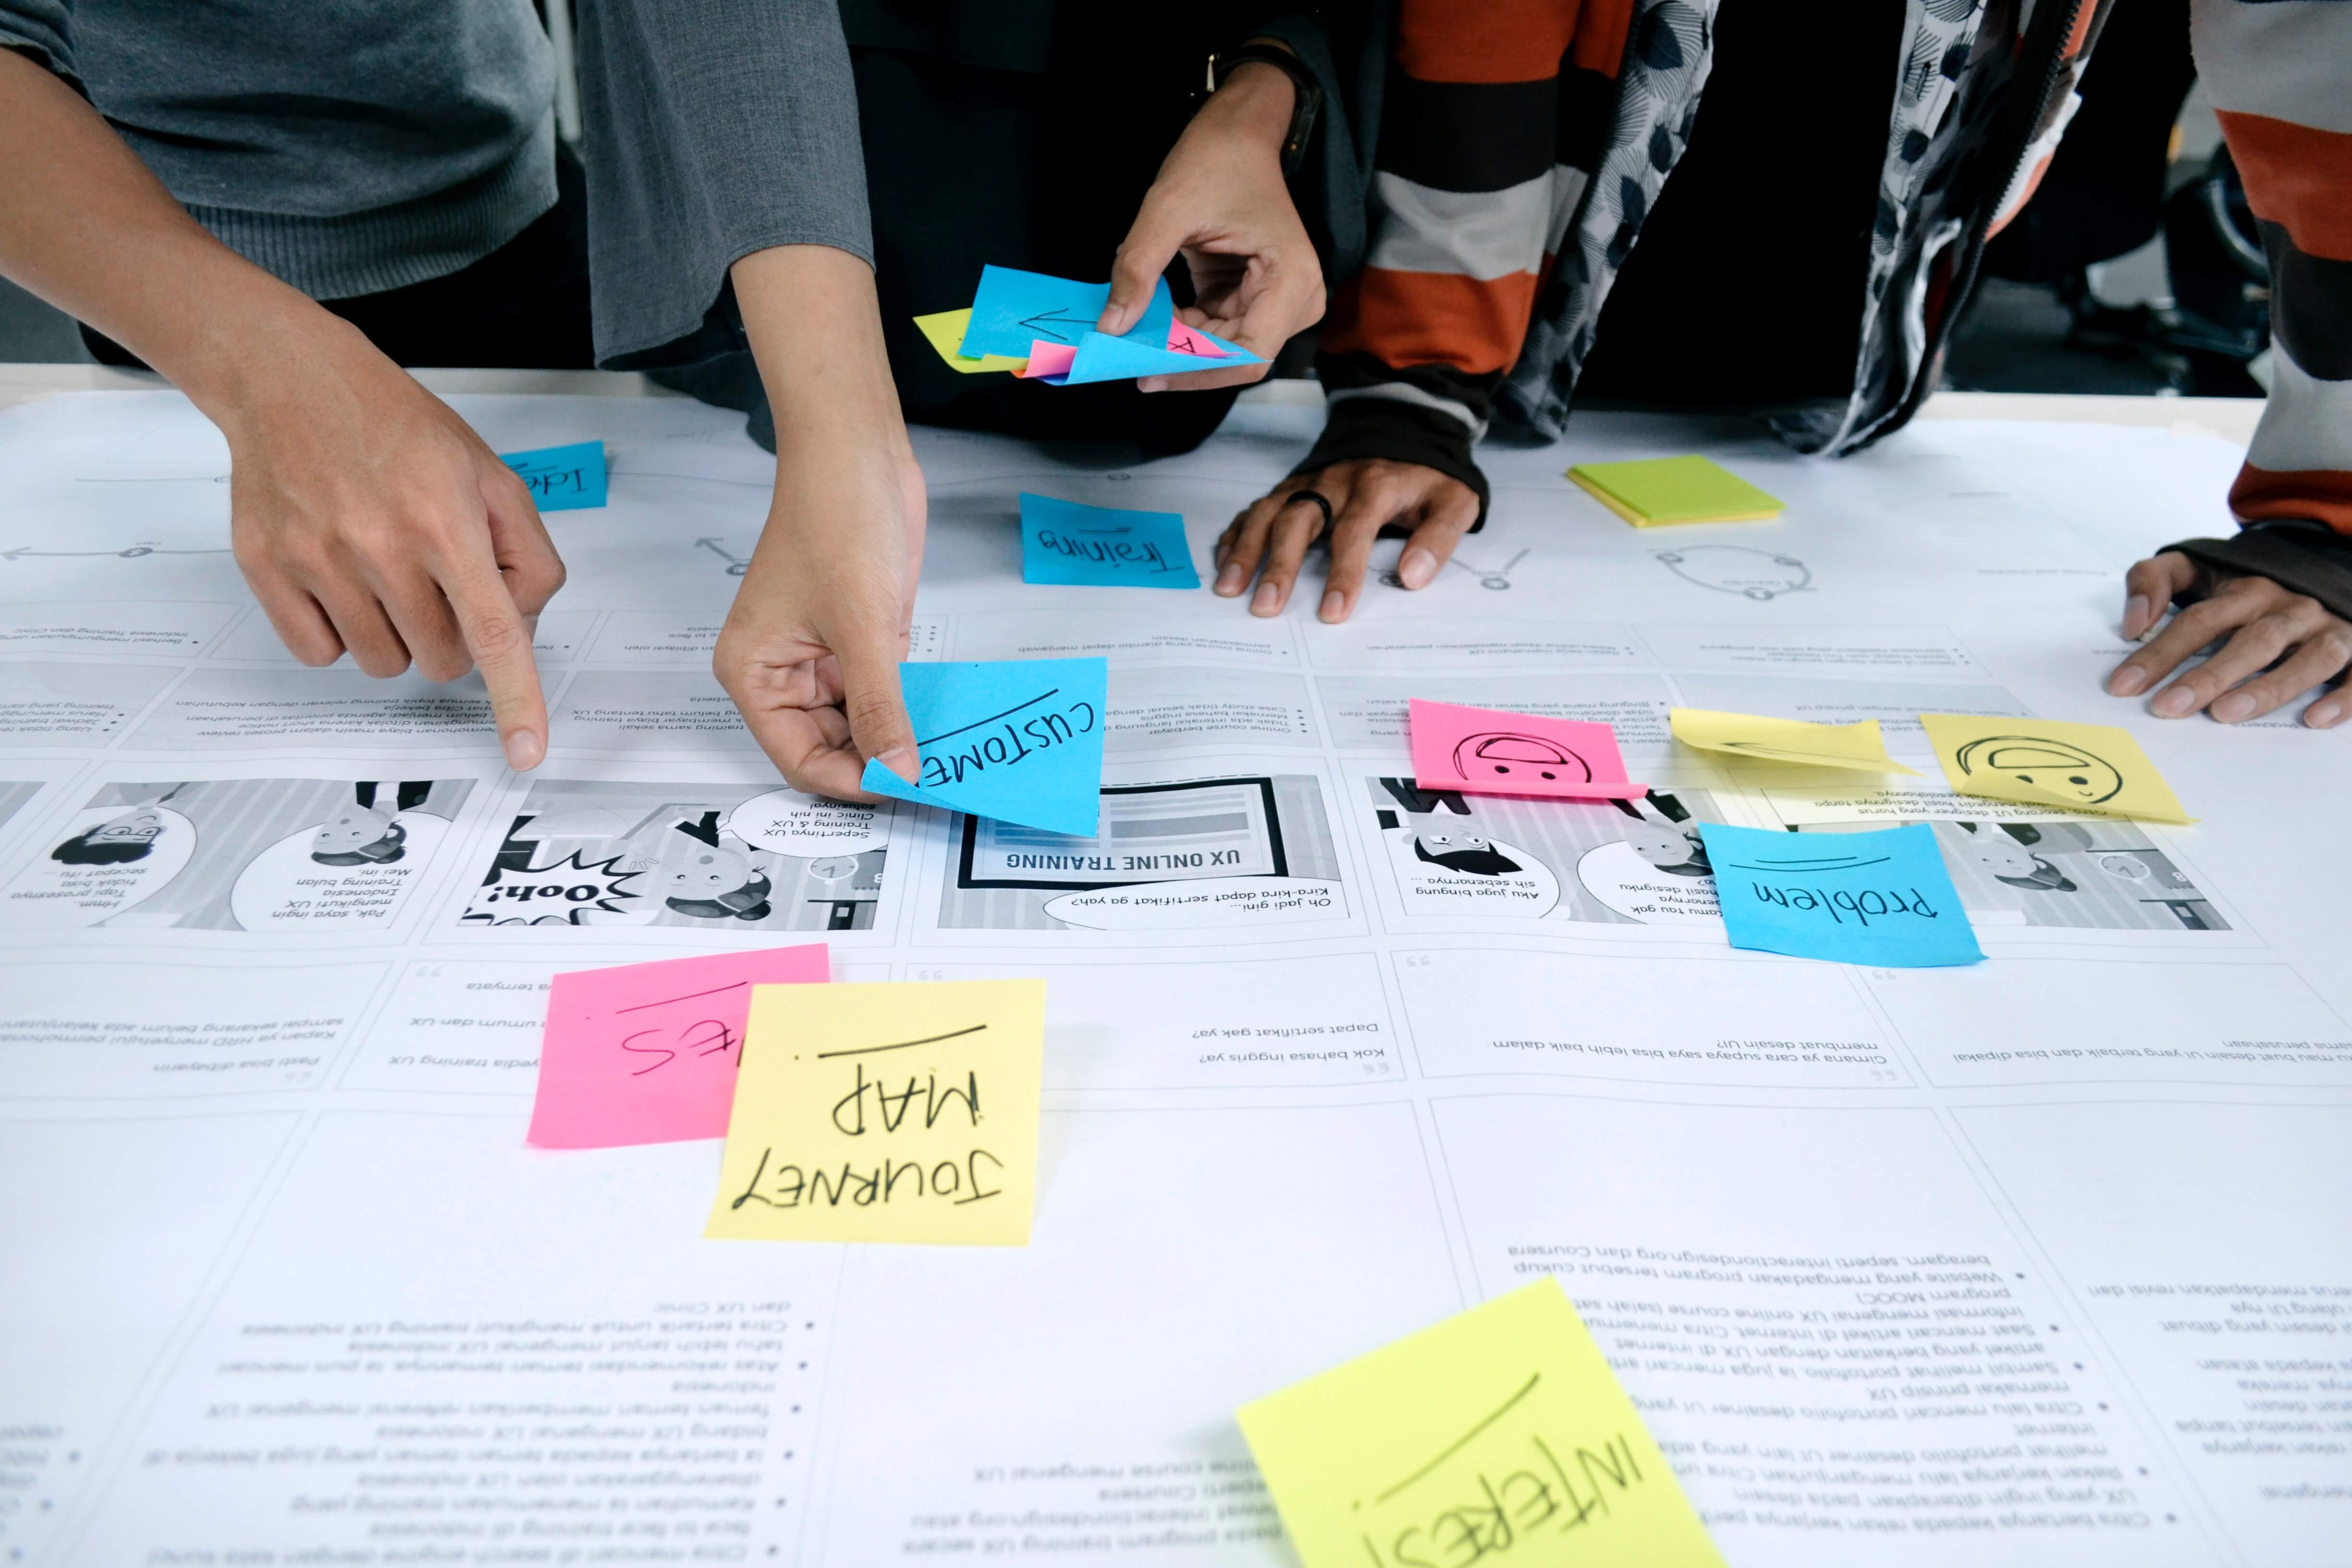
43 31
716 128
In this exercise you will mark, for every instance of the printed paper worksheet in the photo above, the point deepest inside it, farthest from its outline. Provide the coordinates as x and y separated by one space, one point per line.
2042 1260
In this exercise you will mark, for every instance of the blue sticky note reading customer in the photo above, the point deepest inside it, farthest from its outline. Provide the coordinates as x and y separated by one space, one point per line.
1880 897
561 477
1013 308
1069 544
1017 740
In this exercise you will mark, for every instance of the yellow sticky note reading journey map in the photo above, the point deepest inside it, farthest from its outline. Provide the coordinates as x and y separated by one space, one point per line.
2095 768
944 332
1499 1433
886 1112
1853 745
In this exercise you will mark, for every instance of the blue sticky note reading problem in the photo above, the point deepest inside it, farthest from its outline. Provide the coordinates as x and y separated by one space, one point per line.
561 477
1880 897
1013 308
1017 740
1072 544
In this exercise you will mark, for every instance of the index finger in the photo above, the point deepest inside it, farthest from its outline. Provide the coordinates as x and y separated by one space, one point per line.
499 640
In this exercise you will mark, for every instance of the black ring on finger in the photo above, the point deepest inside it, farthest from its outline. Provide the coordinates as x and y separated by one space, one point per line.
1318 496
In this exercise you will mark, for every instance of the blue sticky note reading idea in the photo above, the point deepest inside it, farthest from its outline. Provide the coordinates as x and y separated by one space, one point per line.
1017 740
1880 897
1070 544
561 477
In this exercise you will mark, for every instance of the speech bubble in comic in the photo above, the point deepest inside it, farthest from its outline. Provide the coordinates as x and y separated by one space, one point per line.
1206 902
1637 887
1443 868
579 890
786 821
335 878
106 862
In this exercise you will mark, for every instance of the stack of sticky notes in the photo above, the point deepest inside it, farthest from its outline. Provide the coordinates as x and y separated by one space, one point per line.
1042 329
1657 490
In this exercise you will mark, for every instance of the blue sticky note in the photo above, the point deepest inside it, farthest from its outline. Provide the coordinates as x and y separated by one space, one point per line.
1012 310
1101 358
1069 542
1880 897
561 477
1018 740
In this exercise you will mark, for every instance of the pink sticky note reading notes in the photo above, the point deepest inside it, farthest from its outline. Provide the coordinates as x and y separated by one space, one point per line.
1483 750
1183 340
645 1053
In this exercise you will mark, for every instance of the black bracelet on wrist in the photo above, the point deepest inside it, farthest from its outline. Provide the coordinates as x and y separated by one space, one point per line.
1305 103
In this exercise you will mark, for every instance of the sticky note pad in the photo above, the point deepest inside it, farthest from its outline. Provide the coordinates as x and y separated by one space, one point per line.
886 1112
944 332
1069 542
2095 768
1500 1431
645 1053
561 477
1855 746
1880 897
1657 490
1012 309
1485 751
1017 740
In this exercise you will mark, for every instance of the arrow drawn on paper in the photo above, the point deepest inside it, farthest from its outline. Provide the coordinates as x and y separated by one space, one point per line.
736 565
24 551
1037 322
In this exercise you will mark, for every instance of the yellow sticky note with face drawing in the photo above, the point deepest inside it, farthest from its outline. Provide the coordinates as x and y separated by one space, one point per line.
2095 768
1855 746
944 332
886 1112
1497 1434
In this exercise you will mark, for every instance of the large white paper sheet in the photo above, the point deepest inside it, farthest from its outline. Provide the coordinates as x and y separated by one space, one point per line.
2047 1260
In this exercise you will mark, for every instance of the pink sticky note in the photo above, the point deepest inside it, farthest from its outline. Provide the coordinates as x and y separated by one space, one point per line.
1047 360
1183 340
1484 750
645 1053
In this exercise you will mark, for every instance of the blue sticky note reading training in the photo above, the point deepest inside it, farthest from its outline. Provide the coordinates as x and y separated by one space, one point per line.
1880 897
1012 310
1068 543
561 477
1017 740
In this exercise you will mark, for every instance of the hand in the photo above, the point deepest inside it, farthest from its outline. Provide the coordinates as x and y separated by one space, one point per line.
1220 199
811 650
370 519
1368 496
2281 644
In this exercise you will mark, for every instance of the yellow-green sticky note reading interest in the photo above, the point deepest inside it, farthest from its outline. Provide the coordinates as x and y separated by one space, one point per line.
886 1112
1855 746
1497 1434
1657 490
944 332
2095 768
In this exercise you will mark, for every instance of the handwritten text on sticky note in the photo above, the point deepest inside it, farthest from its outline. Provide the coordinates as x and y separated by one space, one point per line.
1500 1433
1485 750
562 479
886 1112
1015 740
1068 543
1881 898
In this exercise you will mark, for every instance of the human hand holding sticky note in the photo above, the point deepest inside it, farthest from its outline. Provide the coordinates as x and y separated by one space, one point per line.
1042 328
1855 746
1065 542
2095 768
647 1053
1485 750
1016 740
1882 897
562 479
1498 1433
898 1112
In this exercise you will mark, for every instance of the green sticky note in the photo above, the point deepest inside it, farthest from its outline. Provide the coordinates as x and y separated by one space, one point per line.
1657 490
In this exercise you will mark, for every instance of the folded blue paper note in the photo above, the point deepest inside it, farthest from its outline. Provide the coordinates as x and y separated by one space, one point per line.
1012 310
1101 358
1017 740
1880 897
1068 543
561 477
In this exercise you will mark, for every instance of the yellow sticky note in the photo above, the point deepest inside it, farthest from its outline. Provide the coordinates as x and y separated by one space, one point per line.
1497 1430
886 1112
1656 490
944 332
1786 739
2095 768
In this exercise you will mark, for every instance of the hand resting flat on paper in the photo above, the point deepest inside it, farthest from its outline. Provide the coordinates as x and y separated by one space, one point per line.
1368 497
2275 644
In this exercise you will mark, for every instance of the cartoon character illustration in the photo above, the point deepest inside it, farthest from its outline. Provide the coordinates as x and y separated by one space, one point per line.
1738 569
716 881
1464 852
362 833
1664 841
2005 857
2053 767
117 840
1499 754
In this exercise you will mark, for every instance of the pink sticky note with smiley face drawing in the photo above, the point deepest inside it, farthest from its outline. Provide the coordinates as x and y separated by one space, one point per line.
1484 750
647 1053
